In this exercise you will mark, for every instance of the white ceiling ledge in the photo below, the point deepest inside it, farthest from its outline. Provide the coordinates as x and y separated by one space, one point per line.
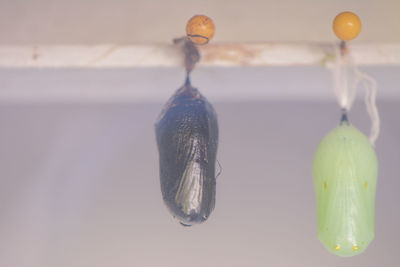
151 73
164 55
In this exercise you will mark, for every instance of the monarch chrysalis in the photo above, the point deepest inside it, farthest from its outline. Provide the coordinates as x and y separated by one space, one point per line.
187 138
345 170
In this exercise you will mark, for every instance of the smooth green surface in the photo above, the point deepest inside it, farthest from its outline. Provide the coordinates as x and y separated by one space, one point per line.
345 172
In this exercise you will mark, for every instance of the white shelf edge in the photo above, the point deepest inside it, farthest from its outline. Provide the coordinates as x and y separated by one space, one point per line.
164 55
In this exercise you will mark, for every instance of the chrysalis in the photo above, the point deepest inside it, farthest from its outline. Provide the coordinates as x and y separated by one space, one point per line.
345 173
187 138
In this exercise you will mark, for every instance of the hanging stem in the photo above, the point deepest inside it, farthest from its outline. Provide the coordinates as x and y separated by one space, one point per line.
344 119
345 93
348 78
191 53
343 48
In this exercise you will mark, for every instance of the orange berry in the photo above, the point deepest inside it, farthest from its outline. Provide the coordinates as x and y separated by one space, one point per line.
200 29
347 26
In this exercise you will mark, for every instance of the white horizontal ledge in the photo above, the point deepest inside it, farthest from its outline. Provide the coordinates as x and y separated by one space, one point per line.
164 55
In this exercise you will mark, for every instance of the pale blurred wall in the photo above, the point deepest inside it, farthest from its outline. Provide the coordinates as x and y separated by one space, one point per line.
79 183
130 21
79 187
138 85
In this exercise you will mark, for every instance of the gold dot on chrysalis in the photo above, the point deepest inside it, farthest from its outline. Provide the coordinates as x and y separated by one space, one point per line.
366 185
337 247
362 243
325 185
355 248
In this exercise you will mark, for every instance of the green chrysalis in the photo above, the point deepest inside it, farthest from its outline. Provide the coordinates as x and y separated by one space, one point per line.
345 171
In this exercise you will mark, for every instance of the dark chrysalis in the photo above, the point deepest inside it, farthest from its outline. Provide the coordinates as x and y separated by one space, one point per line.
187 138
